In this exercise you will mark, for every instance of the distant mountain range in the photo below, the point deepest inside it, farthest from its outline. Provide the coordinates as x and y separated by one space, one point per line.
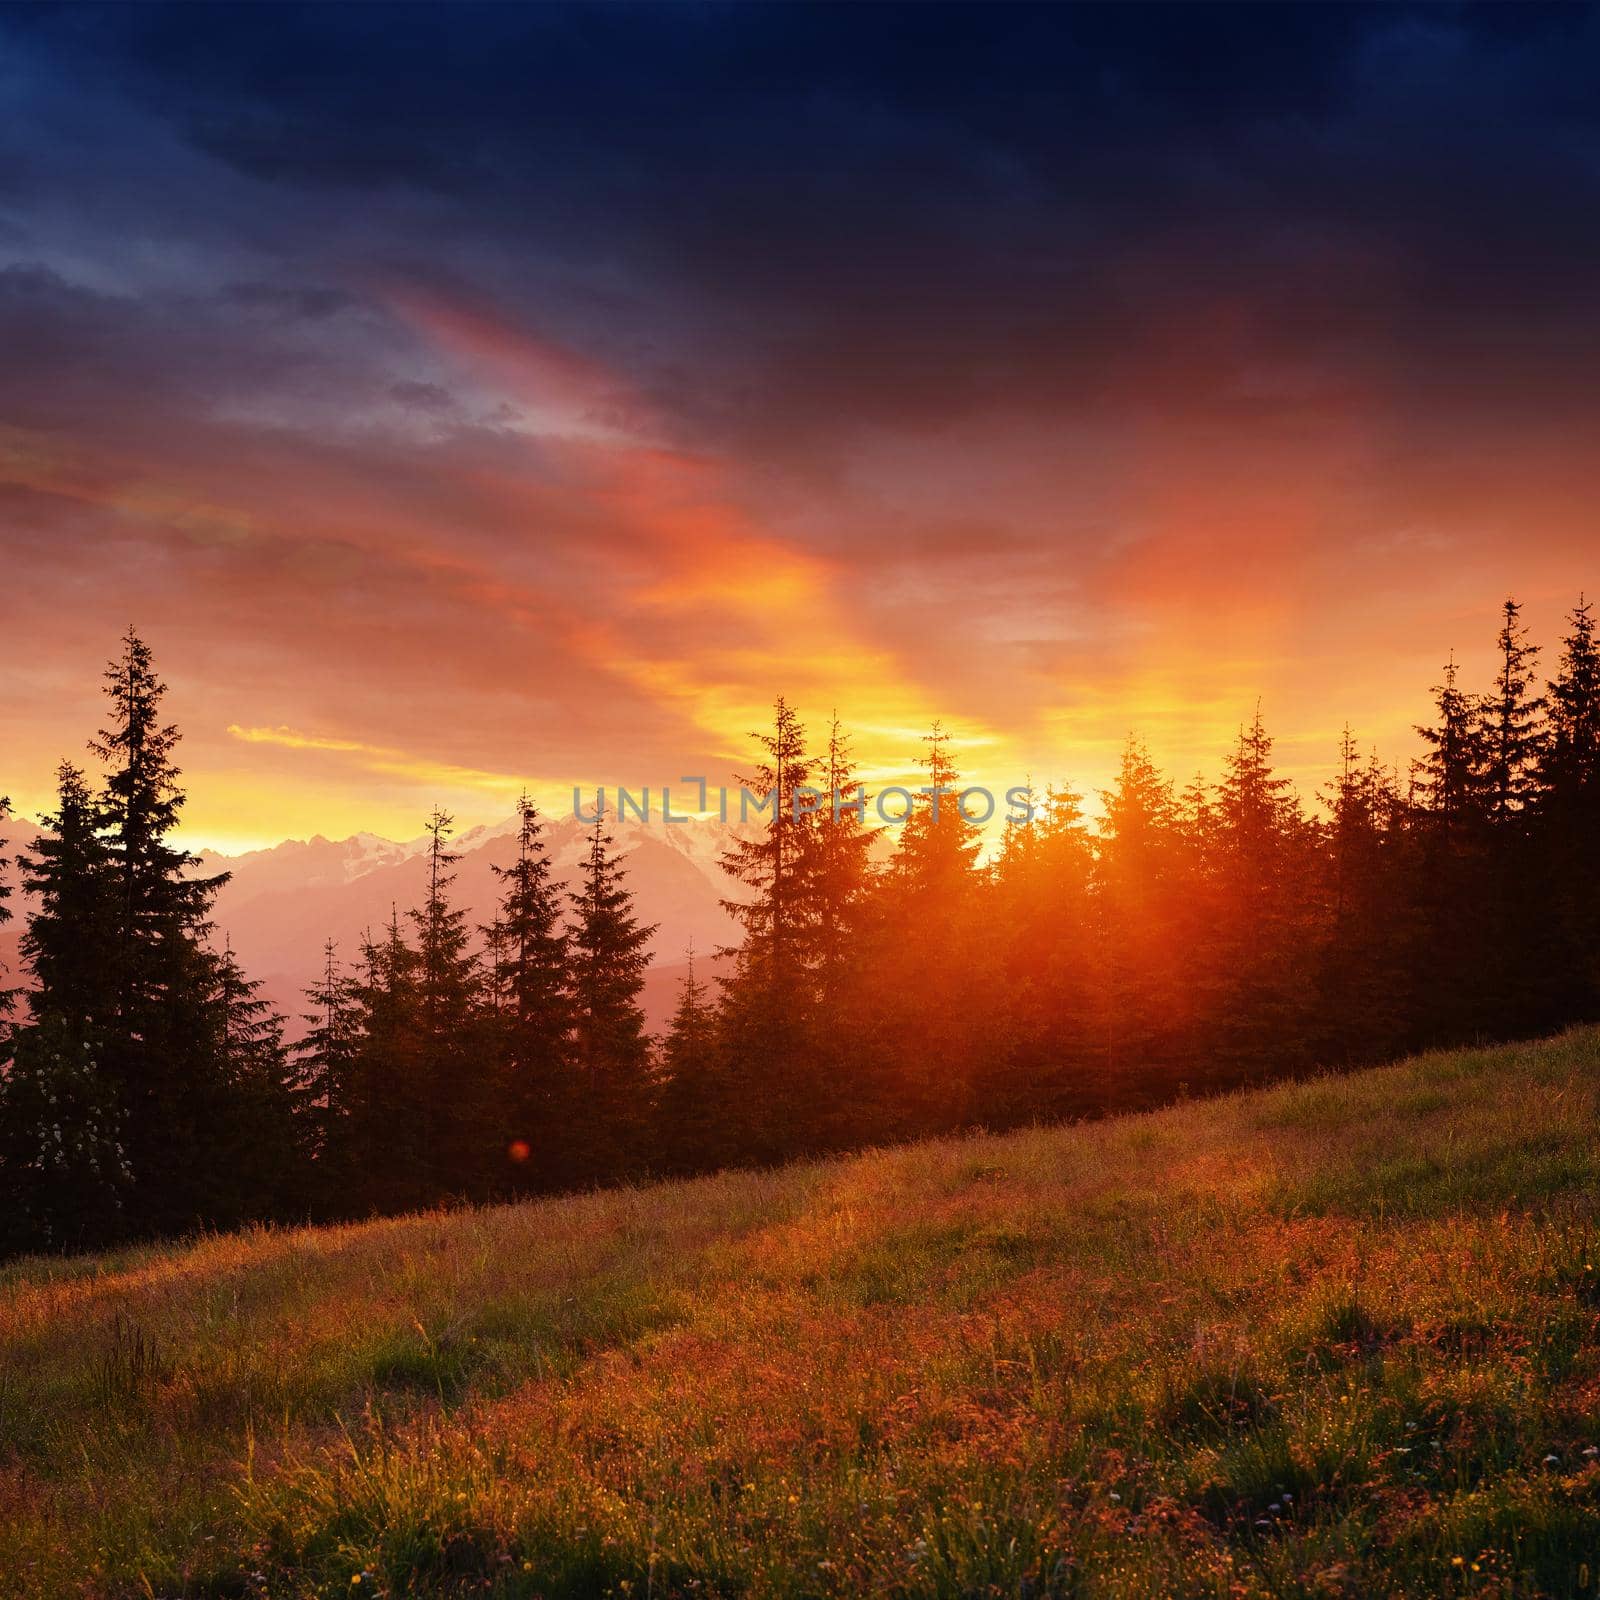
280 904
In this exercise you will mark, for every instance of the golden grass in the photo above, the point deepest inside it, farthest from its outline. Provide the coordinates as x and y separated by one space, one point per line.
1335 1338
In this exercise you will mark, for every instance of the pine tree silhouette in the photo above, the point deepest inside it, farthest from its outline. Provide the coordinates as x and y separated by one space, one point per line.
777 864
1570 759
388 1163
770 999
538 1081
156 1042
1146 905
1044 1063
1513 721
325 1060
932 958
455 1091
1262 859
1569 839
1368 920
7 996
693 1104
841 871
1453 782
70 945
611 1054
256 1142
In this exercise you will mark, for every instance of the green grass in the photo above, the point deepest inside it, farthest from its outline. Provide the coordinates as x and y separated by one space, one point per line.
1340 1338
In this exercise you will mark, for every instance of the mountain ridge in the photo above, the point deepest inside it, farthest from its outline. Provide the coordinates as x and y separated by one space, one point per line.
284 901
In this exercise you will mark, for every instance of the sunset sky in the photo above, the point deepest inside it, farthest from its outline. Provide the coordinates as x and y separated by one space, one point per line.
457 398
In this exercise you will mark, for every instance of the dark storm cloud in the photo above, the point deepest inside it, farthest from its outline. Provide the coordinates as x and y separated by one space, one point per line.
790 221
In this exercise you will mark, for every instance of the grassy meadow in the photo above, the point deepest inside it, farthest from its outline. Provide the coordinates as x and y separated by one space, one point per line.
1338 1338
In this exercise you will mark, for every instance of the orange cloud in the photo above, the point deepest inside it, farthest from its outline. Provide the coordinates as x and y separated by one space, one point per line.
705 612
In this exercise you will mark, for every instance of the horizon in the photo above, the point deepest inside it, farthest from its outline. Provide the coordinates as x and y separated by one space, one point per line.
1309 777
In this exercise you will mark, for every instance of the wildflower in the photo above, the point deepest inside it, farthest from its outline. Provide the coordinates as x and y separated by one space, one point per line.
1458 1561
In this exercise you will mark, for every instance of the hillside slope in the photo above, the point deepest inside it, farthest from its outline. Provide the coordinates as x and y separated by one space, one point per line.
1338 1338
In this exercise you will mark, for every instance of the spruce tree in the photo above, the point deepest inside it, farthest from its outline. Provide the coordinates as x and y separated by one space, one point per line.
770 997
263 1152
492 979
1353 822
1042 1063
610 1053
938 847
1517 952
386 1162
777 864
459 1150
1263 877
65 1177
325 1057
535 1011
1513 721
933 956
692 1098
71 942
1151 924
128 996
248 1032
7 995
1257 819
838 1073
1454 806
1452 780
1017 860
1369 924
841 872
1570 760
157 1047
1569 834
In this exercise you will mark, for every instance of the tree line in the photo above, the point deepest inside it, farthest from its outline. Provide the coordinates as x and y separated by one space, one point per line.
1193 939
